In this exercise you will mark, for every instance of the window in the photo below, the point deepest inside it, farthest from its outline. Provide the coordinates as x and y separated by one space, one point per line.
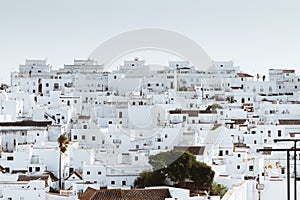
238 166
220 153
120 114
112 182
99 172
279 133
75 137
10 158
93 138
47 84
269 133
254 142
37 169
83 137
123 183
88 172
239 155
109 122
84 126
30 169
265 140
136 158
56 86
251 168
226 152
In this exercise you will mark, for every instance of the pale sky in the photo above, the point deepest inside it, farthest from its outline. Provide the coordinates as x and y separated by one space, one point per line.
257 34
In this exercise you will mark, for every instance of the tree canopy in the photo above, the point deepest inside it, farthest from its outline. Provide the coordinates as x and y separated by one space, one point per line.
218 189
177 166
63 143
213 107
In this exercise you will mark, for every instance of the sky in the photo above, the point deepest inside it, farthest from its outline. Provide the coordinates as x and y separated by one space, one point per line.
256 35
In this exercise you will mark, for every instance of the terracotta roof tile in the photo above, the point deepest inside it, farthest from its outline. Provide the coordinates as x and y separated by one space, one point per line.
88 193
196 150
289 121
27 123
137 194
244 75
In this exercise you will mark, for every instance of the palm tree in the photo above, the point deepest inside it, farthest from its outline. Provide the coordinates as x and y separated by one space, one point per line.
63 146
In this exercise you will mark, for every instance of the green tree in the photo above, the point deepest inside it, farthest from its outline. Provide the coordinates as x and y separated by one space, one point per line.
218 189
202 175
3 86
149 178
63 142
213 107
178 166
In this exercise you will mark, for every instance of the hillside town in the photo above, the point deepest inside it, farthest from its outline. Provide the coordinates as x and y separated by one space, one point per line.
113 120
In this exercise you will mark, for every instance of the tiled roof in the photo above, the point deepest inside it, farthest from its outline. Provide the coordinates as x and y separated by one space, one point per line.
77 173
84 117
191 113
289 121
196 150
26 123
288 71
149 194
244 75
29 178
137 194
19 171
52 176
2 169
88 193
239 121
113 194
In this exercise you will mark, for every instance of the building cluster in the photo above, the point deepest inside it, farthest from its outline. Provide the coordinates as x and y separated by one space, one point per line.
114 120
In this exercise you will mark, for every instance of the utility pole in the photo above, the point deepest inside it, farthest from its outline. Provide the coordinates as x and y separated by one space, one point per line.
295 161
288 166
259 187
